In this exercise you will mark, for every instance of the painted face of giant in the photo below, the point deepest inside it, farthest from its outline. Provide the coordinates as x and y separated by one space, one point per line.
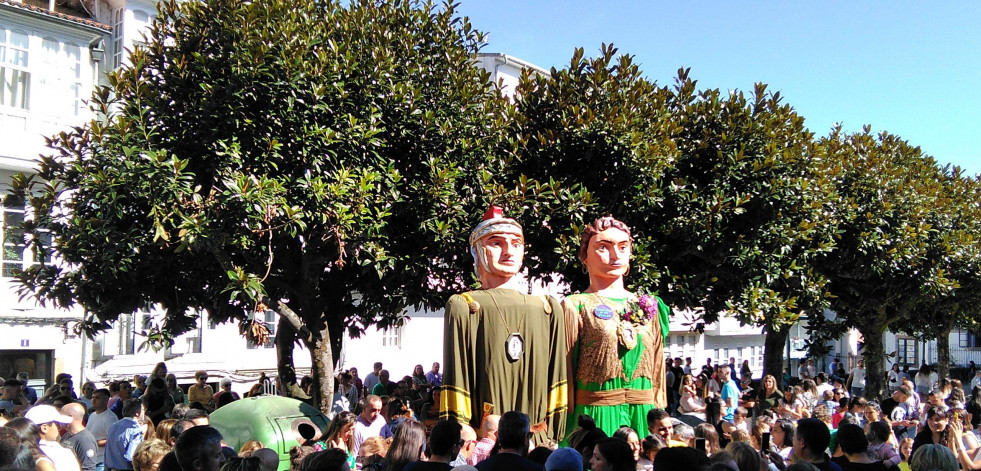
608 254
500 254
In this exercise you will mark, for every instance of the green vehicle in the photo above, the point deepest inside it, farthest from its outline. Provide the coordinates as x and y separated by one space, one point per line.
280 423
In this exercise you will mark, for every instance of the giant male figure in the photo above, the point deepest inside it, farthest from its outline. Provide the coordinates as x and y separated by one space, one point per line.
503 350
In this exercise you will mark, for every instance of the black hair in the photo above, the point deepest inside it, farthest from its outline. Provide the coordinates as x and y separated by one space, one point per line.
878 431
512 430
539 455
680 458
242 464
445 434
192 414
332 459
192 442
617 453
852 439
623 433
132 407
815 435
584 438
788 429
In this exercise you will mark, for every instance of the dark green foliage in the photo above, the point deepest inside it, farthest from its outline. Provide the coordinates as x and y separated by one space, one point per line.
328 160
888 194
724 194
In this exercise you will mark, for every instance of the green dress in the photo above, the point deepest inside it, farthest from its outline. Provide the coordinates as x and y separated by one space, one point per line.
614 385
481 378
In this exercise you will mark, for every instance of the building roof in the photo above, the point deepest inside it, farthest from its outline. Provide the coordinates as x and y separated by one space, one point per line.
55 14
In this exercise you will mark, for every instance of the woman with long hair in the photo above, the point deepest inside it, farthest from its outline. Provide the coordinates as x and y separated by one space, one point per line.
707 431
584 438
713 415
398 413
782 438
419 376
175 391
408 445
769 395
612 454
792 406
973 407
924 380
937 430
29 435
630 436
339 435
809 393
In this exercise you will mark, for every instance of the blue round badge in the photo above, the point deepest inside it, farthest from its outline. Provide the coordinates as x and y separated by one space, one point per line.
603 312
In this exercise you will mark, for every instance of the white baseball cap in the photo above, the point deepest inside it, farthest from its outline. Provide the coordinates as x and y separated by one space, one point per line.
46 414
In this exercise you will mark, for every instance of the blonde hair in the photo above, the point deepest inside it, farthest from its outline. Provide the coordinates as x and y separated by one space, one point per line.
375 446
163 429
740 435
249 447
148 452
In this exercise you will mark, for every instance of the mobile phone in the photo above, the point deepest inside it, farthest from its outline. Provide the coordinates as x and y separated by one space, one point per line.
700 444
765 446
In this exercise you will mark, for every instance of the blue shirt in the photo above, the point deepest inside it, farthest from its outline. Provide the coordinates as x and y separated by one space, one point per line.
121 442
435 379
730 390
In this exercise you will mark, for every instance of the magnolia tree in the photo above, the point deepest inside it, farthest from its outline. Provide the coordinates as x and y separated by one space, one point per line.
724 193
889 196
322 160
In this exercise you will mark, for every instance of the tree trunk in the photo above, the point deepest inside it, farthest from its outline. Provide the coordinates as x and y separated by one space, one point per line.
285 337
943 352
774 345
322 370
874 356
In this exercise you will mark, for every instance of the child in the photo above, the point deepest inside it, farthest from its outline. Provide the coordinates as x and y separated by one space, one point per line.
905 449
879 447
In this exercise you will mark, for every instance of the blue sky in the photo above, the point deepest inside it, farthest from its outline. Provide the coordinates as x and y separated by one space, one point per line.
910 68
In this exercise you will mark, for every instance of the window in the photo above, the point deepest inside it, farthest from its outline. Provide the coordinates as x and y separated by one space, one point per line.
392 336
117 37
194 343
15 77
127 334
268 318
967 339
16 253
13 236
906 351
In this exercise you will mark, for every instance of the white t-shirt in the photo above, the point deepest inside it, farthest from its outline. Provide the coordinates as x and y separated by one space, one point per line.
99 424
62 458
858 378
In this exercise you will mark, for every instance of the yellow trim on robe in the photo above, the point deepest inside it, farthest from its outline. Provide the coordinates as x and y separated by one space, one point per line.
558 398
455 401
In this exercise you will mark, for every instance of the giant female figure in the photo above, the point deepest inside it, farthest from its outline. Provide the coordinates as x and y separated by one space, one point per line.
615 337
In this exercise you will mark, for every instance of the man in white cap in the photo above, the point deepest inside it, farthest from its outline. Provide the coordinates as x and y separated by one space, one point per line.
50 421
503 350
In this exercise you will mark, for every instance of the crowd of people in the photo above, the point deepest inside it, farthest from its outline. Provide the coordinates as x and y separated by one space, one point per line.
812 421
815 421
